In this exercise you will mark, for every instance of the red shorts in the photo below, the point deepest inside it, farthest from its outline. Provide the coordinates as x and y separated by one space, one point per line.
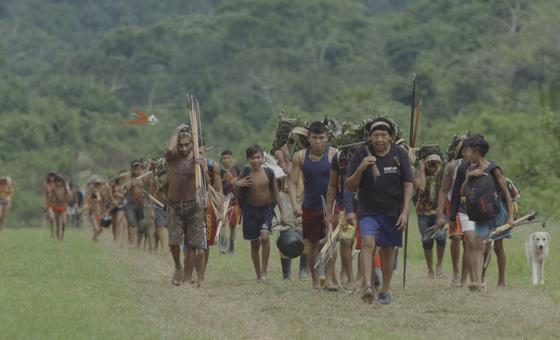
211 223
57 208
233 215
313 224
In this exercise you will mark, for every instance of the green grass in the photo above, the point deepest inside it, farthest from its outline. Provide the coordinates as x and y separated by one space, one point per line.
78 289
69 289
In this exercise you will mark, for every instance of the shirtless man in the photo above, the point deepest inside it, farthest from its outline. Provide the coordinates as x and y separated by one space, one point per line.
314 163
139 212
283 155
59 206
119 224
184 213
98 201
257 191
48 188
229 173
6 192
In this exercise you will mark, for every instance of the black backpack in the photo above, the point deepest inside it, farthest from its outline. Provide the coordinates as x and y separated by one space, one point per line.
483 199
242 199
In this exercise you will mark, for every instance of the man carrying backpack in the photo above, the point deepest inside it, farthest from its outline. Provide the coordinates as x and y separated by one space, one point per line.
488 204
427 184
381 173
257 192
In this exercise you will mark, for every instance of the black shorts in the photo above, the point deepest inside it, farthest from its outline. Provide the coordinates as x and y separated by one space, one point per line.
256 220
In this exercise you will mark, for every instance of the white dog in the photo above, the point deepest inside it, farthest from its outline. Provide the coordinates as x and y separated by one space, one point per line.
536 250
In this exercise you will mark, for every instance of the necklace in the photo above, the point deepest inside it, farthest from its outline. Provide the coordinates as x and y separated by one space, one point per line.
315 158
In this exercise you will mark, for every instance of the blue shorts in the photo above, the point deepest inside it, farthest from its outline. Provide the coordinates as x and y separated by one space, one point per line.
483 229
160 216
381 227
425 222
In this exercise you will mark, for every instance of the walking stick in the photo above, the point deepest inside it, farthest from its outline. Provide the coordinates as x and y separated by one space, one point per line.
412 105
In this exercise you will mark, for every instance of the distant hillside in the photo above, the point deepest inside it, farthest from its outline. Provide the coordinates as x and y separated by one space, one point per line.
73 71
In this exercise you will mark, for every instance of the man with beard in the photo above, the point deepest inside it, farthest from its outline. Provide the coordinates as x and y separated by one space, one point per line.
184 214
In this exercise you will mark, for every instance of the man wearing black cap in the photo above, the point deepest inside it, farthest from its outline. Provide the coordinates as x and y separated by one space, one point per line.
476 148
382 174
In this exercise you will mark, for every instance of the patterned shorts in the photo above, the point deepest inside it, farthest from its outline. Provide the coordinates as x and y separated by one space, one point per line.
185 223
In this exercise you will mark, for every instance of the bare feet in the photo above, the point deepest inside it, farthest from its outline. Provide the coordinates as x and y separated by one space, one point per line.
455 283
367 295
348 287
322 281
439 272
178 277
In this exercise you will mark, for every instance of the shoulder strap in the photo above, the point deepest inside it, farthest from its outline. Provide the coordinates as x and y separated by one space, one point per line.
245 172
270 176
237 170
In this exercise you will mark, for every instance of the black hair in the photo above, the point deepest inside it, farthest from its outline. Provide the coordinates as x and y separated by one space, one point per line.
317 128
226 152
390 129
478 143
135 162
253 150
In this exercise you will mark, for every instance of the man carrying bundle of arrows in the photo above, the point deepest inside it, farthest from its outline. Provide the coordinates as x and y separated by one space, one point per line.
381 173
183 212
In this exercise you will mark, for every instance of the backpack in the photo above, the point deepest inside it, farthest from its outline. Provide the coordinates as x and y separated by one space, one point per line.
242 199
483 200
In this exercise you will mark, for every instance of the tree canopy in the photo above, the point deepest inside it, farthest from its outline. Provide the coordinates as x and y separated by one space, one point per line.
74 71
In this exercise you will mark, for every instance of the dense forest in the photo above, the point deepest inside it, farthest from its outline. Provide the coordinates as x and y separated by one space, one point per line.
74 71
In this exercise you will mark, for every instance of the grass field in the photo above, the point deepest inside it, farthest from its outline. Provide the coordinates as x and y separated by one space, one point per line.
81 290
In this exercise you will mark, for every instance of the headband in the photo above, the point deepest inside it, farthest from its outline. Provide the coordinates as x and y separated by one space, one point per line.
380 124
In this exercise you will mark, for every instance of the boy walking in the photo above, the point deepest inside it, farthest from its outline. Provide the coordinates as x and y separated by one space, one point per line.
257 192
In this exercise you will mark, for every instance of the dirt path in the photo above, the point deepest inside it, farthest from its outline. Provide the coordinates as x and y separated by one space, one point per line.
233 305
